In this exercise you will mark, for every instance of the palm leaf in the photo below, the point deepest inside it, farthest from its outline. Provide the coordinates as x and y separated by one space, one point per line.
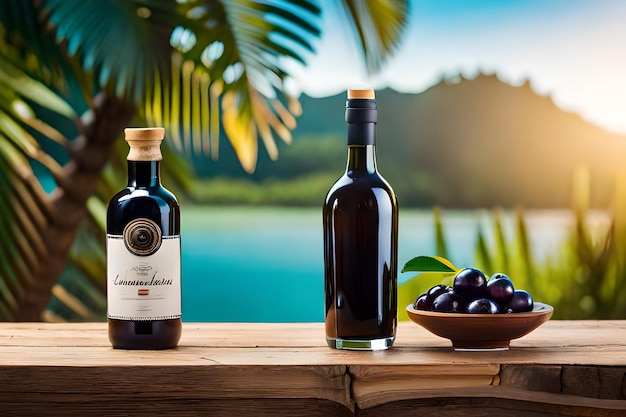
122 47
440 240
21 28
379 24
523 260
21 215
484 260
127 45
240 63
502 258
29 89
24 210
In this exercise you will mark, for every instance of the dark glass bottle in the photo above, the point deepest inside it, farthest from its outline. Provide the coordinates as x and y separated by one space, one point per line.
143 253
360 219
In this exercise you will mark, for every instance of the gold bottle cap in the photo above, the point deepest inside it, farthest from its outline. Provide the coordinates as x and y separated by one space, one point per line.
366 94
145 143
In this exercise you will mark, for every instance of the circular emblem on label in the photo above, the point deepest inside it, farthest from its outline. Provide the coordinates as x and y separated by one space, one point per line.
142 237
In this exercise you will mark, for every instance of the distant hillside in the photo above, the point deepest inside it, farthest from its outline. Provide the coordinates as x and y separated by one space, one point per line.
475 143
479 143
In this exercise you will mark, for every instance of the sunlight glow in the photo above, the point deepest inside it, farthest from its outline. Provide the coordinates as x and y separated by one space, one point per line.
233 72
212 53
197 12
182 39
22 109
144 12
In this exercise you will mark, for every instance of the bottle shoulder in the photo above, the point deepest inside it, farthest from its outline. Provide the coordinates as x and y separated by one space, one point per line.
347 182
358 188
131 195
156 204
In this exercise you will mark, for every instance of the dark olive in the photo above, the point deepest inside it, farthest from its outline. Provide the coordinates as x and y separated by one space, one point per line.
470 283
420 303
434 292
449 302
482 306
521 302
500 290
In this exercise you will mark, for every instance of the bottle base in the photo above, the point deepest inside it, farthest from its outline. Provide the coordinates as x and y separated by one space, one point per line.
147 335
361 344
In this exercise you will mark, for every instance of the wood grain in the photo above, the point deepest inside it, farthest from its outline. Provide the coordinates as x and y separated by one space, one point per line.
575 368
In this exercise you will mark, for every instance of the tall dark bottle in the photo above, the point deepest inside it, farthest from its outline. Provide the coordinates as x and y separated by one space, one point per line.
360 219
143 252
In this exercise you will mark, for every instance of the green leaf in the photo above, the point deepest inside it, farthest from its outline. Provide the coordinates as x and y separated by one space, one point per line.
429 264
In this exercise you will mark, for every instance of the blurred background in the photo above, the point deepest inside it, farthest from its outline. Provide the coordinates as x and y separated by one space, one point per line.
501 129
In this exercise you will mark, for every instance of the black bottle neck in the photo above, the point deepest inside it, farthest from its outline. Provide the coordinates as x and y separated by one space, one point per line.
361 160
361 117
143 174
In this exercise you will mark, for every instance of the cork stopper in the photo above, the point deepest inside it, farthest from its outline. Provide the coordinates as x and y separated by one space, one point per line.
145 143
363 94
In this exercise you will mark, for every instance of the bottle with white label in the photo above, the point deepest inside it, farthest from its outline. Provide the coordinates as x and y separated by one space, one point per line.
143 252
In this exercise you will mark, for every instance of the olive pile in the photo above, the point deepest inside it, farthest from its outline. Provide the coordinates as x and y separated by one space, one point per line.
473 293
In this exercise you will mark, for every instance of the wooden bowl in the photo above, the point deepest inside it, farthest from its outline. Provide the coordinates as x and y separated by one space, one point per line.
481 331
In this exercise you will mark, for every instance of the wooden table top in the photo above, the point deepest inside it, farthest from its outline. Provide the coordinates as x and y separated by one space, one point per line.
562 368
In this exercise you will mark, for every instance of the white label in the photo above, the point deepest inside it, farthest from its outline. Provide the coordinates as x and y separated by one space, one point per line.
143 287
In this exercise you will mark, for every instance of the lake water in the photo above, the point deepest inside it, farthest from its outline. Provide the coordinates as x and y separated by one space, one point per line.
256 264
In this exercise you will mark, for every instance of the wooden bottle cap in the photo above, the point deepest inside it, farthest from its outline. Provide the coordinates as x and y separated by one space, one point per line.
145 143
364 94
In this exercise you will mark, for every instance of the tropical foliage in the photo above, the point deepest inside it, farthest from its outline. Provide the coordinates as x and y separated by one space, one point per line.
585 279
73 73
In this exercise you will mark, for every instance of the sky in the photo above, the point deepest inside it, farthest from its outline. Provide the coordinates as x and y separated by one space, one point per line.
572 50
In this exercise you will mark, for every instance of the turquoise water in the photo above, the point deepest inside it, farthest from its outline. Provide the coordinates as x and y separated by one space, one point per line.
251 264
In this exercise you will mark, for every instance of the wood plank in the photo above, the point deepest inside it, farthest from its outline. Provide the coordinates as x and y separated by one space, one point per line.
564 367
66 385
182 407
482 404
373 386
582 343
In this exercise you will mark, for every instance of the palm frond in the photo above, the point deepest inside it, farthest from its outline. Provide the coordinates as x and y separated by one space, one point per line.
24 205
179 58
23 33
22 217
116 41
233 53
379 25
